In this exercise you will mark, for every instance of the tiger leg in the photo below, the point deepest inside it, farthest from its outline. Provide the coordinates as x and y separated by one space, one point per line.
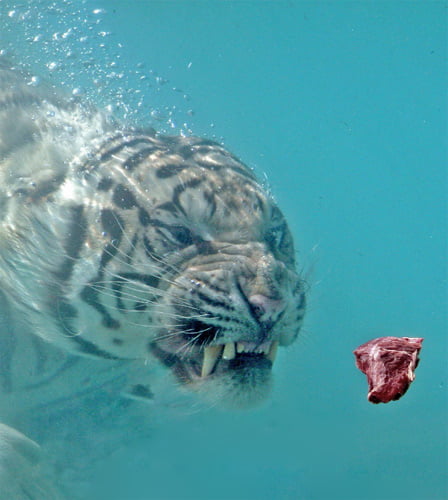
22 471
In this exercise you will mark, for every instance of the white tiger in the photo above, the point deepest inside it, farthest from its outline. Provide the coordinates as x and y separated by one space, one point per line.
124 253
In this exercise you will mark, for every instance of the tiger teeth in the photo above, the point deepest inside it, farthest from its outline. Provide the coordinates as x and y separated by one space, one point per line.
211 355
229 351
253 347
272 353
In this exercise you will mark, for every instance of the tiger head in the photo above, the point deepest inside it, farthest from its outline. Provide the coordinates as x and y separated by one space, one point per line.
223 291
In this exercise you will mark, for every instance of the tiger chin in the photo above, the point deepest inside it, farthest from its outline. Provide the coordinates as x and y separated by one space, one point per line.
123 244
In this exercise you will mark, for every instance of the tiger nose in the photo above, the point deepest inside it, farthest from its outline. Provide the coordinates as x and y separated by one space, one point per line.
264 309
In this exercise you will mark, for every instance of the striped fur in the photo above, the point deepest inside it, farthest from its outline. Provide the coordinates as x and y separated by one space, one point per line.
125 246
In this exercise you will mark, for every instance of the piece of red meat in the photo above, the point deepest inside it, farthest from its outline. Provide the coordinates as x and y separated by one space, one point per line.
389 363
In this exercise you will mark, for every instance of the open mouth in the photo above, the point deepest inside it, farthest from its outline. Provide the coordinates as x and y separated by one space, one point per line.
236 355
209 360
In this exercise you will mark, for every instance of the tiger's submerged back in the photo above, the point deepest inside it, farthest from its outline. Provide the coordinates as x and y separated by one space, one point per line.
123 250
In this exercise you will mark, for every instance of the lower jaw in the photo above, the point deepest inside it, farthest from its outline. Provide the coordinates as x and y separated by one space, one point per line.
237 387
242 382
242 388
190 373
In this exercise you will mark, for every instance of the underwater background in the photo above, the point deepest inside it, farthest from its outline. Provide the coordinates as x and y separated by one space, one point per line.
342 106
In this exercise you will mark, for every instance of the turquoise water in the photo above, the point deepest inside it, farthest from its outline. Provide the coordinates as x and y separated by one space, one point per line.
342 105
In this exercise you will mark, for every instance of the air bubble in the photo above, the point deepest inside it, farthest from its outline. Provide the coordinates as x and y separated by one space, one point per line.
161 81
34 81
157 115
52 65
67 34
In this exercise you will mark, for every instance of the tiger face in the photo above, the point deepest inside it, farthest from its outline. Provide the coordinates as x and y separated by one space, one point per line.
210 272
229 310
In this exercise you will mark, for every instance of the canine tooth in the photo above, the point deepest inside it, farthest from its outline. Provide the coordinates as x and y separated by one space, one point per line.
211 354
266 348
229 351
240 347
272 351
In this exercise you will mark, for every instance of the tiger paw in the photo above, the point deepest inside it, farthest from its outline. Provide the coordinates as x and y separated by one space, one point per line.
22 475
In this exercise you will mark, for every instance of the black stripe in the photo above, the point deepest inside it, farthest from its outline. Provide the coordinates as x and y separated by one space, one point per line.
76 236
126 143
90 296
182 235
302 302
237 167
147 279
105 184
209 197
168 206
132 248
134 160
43 189
141 391
205 247
143 217
215 288
186 151
170 170
179 189
213 302
140 306
117 285
48 187
113 226
90 348
123 197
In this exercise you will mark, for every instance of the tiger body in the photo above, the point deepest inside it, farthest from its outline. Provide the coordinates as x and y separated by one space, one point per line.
124 253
